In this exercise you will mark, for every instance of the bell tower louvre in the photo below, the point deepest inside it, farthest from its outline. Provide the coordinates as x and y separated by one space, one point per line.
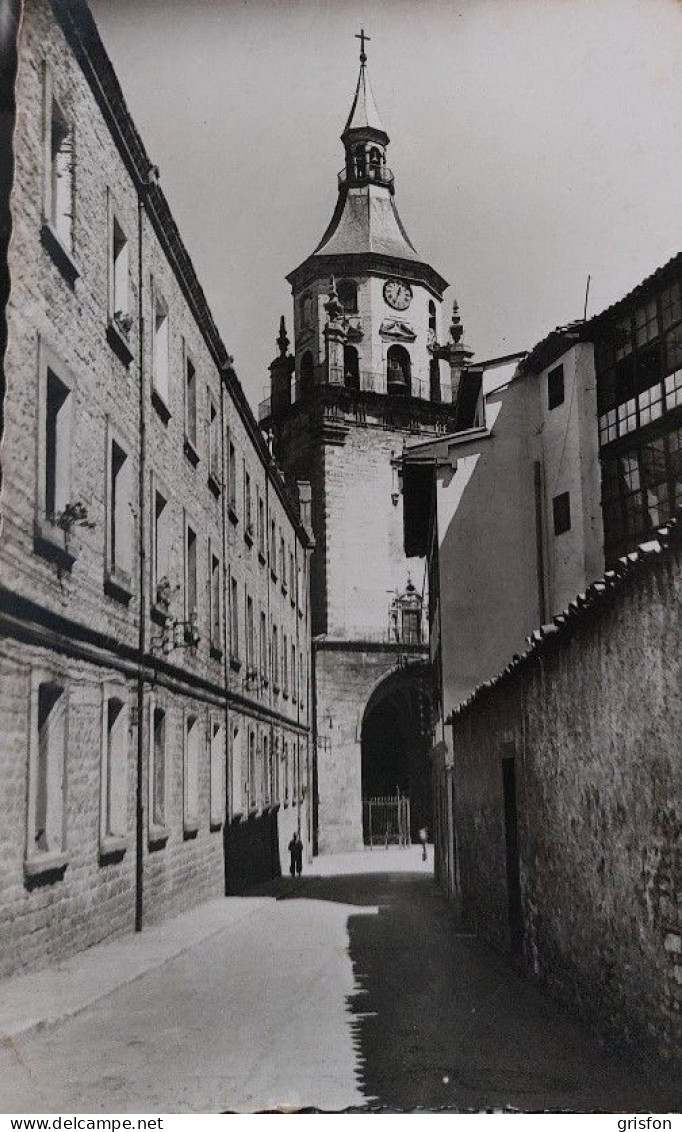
367 371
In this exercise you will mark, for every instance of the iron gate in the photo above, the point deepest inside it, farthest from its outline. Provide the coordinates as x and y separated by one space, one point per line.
386 821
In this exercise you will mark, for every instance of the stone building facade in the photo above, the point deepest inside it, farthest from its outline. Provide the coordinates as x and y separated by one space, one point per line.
566 787
154 577
371 366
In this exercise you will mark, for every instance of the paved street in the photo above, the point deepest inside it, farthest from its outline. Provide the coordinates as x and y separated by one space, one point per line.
332 991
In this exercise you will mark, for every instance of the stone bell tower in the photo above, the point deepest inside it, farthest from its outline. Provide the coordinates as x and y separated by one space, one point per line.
366 372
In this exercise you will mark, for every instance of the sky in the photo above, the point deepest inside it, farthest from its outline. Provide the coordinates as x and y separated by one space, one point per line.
533 142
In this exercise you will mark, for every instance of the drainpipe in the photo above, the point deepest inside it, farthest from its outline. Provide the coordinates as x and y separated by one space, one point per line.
229 769
142 611
143 188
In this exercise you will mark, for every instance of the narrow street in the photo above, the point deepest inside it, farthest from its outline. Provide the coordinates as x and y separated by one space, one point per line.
330 991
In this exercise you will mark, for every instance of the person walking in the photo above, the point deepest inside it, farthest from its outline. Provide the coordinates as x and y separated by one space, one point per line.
296 854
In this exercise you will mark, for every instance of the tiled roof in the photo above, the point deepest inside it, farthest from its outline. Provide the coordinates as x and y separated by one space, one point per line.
668 540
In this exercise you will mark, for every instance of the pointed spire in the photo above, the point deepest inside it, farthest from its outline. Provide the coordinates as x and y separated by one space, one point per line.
363 113
282 338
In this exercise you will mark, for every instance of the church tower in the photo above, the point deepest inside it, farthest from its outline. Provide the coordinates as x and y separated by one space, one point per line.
367 371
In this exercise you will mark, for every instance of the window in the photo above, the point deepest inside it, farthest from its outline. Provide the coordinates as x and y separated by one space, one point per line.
250 644
275 659
190 408
59 180
399 369
285 771
347 291
114 770
191 775
234 621
301 681
282 560
57 446
160 347
293 672
273 548
217 739
248 516
292 578
161 589
232 473
54 503
261 526
191 616
266 777
561 505
646 322
306 311
285 665
251 779
215 605
213 430
555 387
119 522
46 827
157 774
274 771
263 647
671 305
411 626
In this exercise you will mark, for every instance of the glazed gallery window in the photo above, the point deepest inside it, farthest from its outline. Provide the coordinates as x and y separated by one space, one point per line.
160 347
217 757
114 769
191 774
120 515
46 826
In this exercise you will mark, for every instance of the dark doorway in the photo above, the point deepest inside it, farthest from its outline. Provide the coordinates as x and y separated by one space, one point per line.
395 753
512 851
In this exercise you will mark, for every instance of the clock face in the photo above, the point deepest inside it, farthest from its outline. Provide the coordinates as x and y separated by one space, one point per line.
398 295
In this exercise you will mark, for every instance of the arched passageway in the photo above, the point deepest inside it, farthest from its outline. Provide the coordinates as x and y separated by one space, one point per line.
395 743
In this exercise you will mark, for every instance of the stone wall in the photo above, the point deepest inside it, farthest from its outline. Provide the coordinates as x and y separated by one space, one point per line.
591 717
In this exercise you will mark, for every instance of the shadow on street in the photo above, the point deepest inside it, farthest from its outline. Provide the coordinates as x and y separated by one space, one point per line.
439 1020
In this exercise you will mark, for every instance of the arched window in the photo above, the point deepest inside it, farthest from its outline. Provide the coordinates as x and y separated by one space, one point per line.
347 291
307 373
351 367
398 371
360 161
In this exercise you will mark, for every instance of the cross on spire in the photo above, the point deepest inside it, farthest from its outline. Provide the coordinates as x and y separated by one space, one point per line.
363 39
